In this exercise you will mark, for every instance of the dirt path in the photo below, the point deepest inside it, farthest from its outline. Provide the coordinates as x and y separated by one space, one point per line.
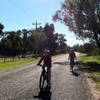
22 83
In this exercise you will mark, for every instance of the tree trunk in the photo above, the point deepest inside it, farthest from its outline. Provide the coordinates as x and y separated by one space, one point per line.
97 40
4 59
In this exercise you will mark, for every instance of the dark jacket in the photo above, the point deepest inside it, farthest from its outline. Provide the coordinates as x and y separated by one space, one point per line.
46 60
72 55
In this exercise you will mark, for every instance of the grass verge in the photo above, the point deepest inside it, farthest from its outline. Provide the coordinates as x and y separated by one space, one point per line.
92 67
18 62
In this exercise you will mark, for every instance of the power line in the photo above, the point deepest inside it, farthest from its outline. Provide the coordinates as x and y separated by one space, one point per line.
13 3
20 9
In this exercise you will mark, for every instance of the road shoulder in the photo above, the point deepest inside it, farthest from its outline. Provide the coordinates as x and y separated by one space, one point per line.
92 87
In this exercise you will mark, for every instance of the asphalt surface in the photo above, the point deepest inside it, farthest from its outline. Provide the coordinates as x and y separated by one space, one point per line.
23 83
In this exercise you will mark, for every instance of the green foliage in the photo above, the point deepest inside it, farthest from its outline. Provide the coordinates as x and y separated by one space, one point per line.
11 45
89 48
49 32
39 41
56 43
25 41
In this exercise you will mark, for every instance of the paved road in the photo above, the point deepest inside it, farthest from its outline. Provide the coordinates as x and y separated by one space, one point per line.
22 83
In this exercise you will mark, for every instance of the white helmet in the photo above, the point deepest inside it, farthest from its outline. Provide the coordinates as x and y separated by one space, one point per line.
46 51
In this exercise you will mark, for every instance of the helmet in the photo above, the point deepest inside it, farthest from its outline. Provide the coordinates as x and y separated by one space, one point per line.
46 51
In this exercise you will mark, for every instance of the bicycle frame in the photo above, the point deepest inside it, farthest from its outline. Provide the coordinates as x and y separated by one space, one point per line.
44 73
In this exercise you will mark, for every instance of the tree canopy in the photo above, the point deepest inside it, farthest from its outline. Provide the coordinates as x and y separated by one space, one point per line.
26 41
1 27
82 17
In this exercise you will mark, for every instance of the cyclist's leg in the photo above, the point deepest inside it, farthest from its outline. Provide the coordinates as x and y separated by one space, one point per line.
71 67
48 74
71 64
43 67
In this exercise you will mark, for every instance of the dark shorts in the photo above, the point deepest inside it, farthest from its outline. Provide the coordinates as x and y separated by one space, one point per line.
72 62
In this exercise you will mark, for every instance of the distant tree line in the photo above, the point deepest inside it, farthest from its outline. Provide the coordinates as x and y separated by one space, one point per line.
25 41
89 48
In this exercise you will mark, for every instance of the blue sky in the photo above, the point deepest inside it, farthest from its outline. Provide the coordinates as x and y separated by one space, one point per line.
20 14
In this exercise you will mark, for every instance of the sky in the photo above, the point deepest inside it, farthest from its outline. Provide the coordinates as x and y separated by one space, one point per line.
20 14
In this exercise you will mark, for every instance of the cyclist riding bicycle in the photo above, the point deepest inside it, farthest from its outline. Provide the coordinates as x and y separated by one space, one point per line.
72 57
46 58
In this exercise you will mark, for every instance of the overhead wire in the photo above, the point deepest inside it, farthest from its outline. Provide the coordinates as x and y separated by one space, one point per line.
20 9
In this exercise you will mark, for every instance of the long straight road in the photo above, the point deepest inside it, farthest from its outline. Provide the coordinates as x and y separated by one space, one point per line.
22 83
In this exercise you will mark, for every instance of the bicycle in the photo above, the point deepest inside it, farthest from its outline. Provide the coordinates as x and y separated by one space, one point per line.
43 79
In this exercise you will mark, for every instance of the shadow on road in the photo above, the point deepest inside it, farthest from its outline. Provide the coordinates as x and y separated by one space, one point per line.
44 94
77 68
76 73
62 63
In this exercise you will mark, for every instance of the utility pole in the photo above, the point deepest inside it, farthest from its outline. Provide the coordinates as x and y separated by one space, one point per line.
36 24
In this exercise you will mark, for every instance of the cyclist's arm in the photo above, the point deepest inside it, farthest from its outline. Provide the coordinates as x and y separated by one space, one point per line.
69 57
40 60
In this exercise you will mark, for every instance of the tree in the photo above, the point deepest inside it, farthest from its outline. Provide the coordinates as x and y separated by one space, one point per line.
49 32
61 41
11 45
5 47
38 41
82 17
1 28
25 42
16 43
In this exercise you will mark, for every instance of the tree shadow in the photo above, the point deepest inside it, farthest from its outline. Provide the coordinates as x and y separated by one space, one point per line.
62 63
91 67
76 72
44 94
77 69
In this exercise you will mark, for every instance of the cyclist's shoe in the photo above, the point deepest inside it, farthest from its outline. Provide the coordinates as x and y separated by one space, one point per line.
71 69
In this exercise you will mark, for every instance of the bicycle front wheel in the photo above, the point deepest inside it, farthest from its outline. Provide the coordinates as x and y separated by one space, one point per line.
41 82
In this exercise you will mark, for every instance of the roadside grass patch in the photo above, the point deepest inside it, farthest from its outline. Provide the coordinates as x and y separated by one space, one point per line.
18 62
92 66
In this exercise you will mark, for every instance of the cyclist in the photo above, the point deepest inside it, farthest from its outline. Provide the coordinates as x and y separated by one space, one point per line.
72 57
46 58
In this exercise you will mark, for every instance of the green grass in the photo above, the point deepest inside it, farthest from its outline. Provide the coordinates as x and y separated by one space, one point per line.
17 63
92 66
9 64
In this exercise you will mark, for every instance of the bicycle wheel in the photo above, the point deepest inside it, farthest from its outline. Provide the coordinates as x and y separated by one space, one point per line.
41 82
